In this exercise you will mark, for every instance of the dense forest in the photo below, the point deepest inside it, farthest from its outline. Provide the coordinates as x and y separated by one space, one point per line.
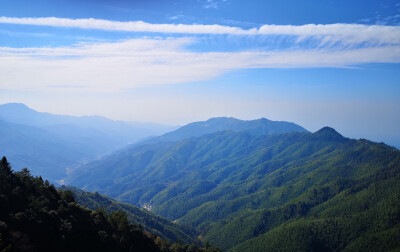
35 216
150 222
246 192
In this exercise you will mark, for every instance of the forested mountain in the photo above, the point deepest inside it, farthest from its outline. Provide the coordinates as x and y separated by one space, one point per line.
34 216
50 144
150 222
261 126
297 191
240 185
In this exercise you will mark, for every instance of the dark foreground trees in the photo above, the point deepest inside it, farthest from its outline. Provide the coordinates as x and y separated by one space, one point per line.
34 216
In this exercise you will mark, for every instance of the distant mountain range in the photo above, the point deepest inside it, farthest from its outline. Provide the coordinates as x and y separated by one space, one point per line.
50 144
261 126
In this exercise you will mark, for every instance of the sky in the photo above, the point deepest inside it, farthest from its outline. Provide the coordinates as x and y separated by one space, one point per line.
316 63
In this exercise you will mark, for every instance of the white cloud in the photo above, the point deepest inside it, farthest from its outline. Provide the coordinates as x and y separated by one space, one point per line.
112 67
346 33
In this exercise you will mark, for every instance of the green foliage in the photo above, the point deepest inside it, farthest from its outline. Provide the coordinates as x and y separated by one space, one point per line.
242 191
149 221
35 217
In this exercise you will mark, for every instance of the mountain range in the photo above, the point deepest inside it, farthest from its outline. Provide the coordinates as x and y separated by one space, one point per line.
50 145
242 191
255 185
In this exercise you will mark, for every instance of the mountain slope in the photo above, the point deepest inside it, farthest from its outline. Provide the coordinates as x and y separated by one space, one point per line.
255 127
149 221
364 216
235 186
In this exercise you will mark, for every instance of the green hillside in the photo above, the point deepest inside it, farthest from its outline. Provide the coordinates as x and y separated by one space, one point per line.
150 222
241 190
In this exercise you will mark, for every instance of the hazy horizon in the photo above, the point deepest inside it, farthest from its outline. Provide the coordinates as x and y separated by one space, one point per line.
316 64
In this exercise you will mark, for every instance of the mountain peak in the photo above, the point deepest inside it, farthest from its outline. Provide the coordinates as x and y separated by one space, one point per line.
219 119
329 134
15 105
327 130
16 112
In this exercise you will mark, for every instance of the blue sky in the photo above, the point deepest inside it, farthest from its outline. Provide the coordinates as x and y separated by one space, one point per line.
316 63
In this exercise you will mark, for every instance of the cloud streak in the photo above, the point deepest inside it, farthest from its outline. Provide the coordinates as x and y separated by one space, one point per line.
113 67
346 33
116 66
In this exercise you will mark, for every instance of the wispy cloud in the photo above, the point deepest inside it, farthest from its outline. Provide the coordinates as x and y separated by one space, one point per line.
212 4
345 33
112 67
176 17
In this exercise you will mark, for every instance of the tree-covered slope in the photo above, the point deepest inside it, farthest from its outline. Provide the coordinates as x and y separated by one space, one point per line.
150 222
155 165
236 186
364 216
34 216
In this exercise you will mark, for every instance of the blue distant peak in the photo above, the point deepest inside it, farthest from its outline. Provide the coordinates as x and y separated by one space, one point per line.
328 131
15 105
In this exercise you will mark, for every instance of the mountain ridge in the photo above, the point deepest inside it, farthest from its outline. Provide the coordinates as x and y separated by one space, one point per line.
22 114
261 126
76 139
211 181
